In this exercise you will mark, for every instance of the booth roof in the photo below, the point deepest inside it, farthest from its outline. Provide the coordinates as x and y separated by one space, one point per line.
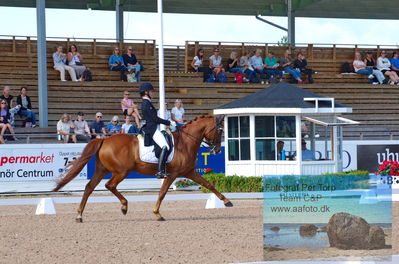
281 95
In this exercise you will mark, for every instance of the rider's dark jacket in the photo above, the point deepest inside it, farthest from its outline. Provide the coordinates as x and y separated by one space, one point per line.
152 121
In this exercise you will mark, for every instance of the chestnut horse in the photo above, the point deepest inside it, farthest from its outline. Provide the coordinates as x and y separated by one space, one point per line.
119 154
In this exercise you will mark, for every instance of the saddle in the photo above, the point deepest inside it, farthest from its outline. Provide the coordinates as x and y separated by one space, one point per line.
151 153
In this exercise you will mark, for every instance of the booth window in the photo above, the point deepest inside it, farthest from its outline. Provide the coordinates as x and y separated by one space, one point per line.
269 130
238 138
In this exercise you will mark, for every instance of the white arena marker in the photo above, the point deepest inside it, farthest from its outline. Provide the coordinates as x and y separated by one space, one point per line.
214 202
45 206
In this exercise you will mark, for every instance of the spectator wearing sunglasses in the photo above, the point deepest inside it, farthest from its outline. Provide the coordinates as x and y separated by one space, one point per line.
131 62
116 63
97 128
384 65
114 127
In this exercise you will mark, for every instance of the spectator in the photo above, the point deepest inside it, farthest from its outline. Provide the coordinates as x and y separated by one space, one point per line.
127 124
301 64
196 64
65 129
82 130
131 62
75 61
246 67
257 64
130 108
10 104
361 68
128 127
116 63
280 151
232 63
60 59
113 126
287 64
5 120
177 113
370 63
26 107
167 113
215 62
395 62
271 66
384 66
97 127
306 154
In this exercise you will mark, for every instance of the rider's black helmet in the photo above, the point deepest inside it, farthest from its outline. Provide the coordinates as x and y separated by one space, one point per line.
146 87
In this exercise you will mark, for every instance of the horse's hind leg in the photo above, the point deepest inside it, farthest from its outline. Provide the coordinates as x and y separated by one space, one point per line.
112 184
198 179
162 192
100 172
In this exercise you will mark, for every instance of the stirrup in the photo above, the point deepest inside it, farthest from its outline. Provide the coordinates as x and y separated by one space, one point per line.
162 175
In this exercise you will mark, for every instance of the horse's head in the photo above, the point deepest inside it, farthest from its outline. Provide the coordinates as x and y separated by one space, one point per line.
213 134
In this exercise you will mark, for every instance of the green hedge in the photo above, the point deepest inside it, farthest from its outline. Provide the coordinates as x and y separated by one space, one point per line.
225 183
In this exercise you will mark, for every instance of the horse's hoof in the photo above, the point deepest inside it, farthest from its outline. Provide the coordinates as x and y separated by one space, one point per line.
124 211
161 219
228 204
79 220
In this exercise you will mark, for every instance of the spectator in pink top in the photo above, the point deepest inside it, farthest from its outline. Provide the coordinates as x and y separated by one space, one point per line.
130 108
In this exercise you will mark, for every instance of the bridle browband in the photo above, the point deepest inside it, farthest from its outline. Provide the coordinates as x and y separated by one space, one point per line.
218 128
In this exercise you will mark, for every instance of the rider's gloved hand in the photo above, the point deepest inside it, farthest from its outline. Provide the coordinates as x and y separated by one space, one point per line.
173 125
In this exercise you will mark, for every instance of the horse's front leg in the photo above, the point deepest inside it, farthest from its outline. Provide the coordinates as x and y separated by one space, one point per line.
162 192
198 179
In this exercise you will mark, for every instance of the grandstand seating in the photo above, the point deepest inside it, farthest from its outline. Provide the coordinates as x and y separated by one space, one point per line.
374 106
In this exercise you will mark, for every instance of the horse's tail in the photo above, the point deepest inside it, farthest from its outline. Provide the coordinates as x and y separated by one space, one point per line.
77 165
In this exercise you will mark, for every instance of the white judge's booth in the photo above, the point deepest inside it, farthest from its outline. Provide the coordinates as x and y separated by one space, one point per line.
256 125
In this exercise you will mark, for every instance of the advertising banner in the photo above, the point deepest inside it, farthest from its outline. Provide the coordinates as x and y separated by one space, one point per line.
374 155
205 160
35 162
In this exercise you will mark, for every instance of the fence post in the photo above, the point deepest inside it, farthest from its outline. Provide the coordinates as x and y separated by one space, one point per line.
94 47
378 50
67 46
196 48
242 49
29 51
178 58
310 51
186 57
145 48
334 58
14 45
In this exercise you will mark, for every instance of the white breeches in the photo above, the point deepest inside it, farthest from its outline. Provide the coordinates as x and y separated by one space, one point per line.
160 139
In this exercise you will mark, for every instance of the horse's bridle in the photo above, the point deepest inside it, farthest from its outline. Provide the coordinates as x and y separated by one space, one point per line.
217 137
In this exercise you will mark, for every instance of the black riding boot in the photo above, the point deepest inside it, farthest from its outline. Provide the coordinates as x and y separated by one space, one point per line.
162 164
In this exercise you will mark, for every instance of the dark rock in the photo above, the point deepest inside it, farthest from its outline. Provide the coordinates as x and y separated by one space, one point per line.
346 231
376 237
272 248
275 228
307 230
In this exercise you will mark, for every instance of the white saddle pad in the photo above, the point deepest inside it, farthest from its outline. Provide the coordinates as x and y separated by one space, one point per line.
148 155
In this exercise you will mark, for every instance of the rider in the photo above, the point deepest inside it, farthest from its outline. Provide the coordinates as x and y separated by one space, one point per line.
151 132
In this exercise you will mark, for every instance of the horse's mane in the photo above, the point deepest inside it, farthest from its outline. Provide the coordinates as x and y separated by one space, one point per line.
195 119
